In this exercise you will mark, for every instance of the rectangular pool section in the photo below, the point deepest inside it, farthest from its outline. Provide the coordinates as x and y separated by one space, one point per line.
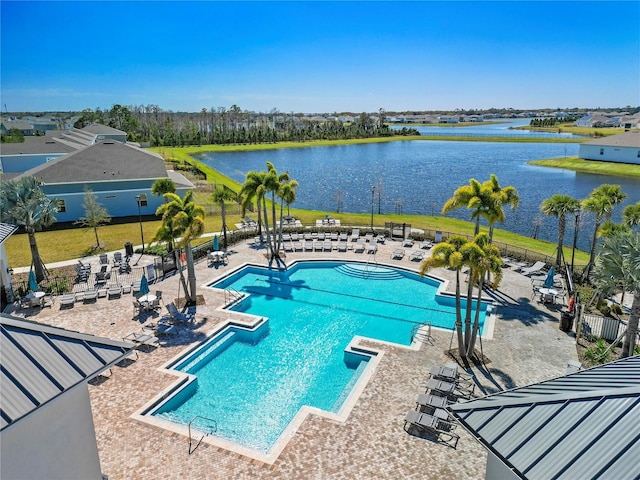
254 382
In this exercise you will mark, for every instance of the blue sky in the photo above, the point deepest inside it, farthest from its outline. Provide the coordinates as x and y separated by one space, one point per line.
319 56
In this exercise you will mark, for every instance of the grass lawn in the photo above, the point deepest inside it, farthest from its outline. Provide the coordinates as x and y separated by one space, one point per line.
590 166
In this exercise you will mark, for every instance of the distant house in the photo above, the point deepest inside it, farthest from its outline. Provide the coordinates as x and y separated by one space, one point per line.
46 424
448 119
583 425
622 148
16 158
595 121
23 126
116 173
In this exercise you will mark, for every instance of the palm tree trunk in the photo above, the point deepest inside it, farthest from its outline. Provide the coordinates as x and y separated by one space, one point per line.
476 321
38 266
467 316
592 254
275 228
223 213
561 228
459 316
632 327
191 273
176 254
266 227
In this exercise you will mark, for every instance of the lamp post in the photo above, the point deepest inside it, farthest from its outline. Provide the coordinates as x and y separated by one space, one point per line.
139 198
575 236
373 191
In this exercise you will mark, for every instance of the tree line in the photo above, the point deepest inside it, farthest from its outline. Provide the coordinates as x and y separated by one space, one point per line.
222 126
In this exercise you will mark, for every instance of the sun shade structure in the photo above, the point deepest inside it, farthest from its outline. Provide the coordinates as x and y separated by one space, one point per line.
583 425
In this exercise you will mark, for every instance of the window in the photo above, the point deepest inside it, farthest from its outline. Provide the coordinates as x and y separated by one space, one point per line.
62 206
142 199
638 153
602 151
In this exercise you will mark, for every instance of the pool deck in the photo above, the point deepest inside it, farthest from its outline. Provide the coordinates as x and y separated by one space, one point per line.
527 347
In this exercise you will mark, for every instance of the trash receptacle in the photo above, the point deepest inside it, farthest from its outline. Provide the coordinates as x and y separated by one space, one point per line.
128 248
566 321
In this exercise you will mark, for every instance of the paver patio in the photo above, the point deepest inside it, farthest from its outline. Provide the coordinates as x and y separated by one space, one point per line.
526 347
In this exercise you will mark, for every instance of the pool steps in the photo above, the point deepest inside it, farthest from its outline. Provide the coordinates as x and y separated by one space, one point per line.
373 272
215 348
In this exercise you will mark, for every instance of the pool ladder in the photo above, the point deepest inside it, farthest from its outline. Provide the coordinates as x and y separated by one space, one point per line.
231 295
212 428
422 332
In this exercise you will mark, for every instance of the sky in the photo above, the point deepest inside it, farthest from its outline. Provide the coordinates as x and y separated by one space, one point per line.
319 57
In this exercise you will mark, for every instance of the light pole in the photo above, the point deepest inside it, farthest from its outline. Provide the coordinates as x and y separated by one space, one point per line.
139 198
575 237
373 191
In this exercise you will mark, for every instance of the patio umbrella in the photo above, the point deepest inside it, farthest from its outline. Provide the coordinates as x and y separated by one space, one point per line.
33 283
144 285
548 282
216 247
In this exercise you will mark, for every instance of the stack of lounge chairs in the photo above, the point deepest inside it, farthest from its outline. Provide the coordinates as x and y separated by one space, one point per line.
445 385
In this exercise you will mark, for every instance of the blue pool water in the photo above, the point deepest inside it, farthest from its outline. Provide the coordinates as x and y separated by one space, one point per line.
252 383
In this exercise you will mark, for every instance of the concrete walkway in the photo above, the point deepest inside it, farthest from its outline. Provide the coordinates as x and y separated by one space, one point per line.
526 347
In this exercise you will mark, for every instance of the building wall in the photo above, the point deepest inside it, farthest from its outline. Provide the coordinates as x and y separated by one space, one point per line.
496 470
57 441
24 162
606 153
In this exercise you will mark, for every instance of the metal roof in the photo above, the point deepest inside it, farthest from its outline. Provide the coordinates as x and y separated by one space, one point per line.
39 363
583 425
6 230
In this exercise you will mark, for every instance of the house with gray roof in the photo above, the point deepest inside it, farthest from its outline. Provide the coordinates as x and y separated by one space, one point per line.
116 173
585 425
622 148
46 424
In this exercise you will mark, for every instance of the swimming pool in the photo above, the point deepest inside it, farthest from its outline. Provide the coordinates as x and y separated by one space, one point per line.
254 381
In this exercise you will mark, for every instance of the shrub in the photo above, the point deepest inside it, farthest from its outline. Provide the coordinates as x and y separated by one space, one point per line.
605 309
598 353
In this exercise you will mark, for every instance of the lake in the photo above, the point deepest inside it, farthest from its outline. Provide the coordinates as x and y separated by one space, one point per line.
417 177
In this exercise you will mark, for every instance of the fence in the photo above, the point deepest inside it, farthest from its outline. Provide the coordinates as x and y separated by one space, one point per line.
597 326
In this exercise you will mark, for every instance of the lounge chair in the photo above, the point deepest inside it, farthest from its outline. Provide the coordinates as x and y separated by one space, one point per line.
407 243
359 246
117 259
535 268
326 246
355 233
308 245
426 245
297 246
342 246
114 292
398 253
179 316
380 238
67 300
320 236
431 402
343 237
417 256
432 423
104 260
372 248
368 237
288 246
334 236
142 339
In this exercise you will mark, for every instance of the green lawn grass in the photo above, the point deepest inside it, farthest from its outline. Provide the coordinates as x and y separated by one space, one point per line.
590 166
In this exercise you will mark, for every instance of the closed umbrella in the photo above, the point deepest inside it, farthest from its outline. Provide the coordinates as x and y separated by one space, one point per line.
216 247
548 282
144 285
33 283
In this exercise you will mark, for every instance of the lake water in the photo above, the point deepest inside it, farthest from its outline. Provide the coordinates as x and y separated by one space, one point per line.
417 177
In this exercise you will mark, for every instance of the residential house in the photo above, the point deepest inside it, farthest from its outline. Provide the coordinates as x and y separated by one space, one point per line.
24 126
595 121
118 174
583 425
16 158
622 148
46 424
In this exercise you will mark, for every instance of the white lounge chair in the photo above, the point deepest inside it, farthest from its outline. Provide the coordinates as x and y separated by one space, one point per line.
372 248
416 256
535 268
179 316
355 233
398 253
359 246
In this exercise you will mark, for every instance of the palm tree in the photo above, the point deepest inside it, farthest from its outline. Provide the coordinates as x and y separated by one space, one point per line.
609 228
162 186
631 215
249 193
447 254
22 202
167 234
618 268
275 181
612 194
484 260
471 197
221 195
500 196
599 206
287 195
560 205
186 220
